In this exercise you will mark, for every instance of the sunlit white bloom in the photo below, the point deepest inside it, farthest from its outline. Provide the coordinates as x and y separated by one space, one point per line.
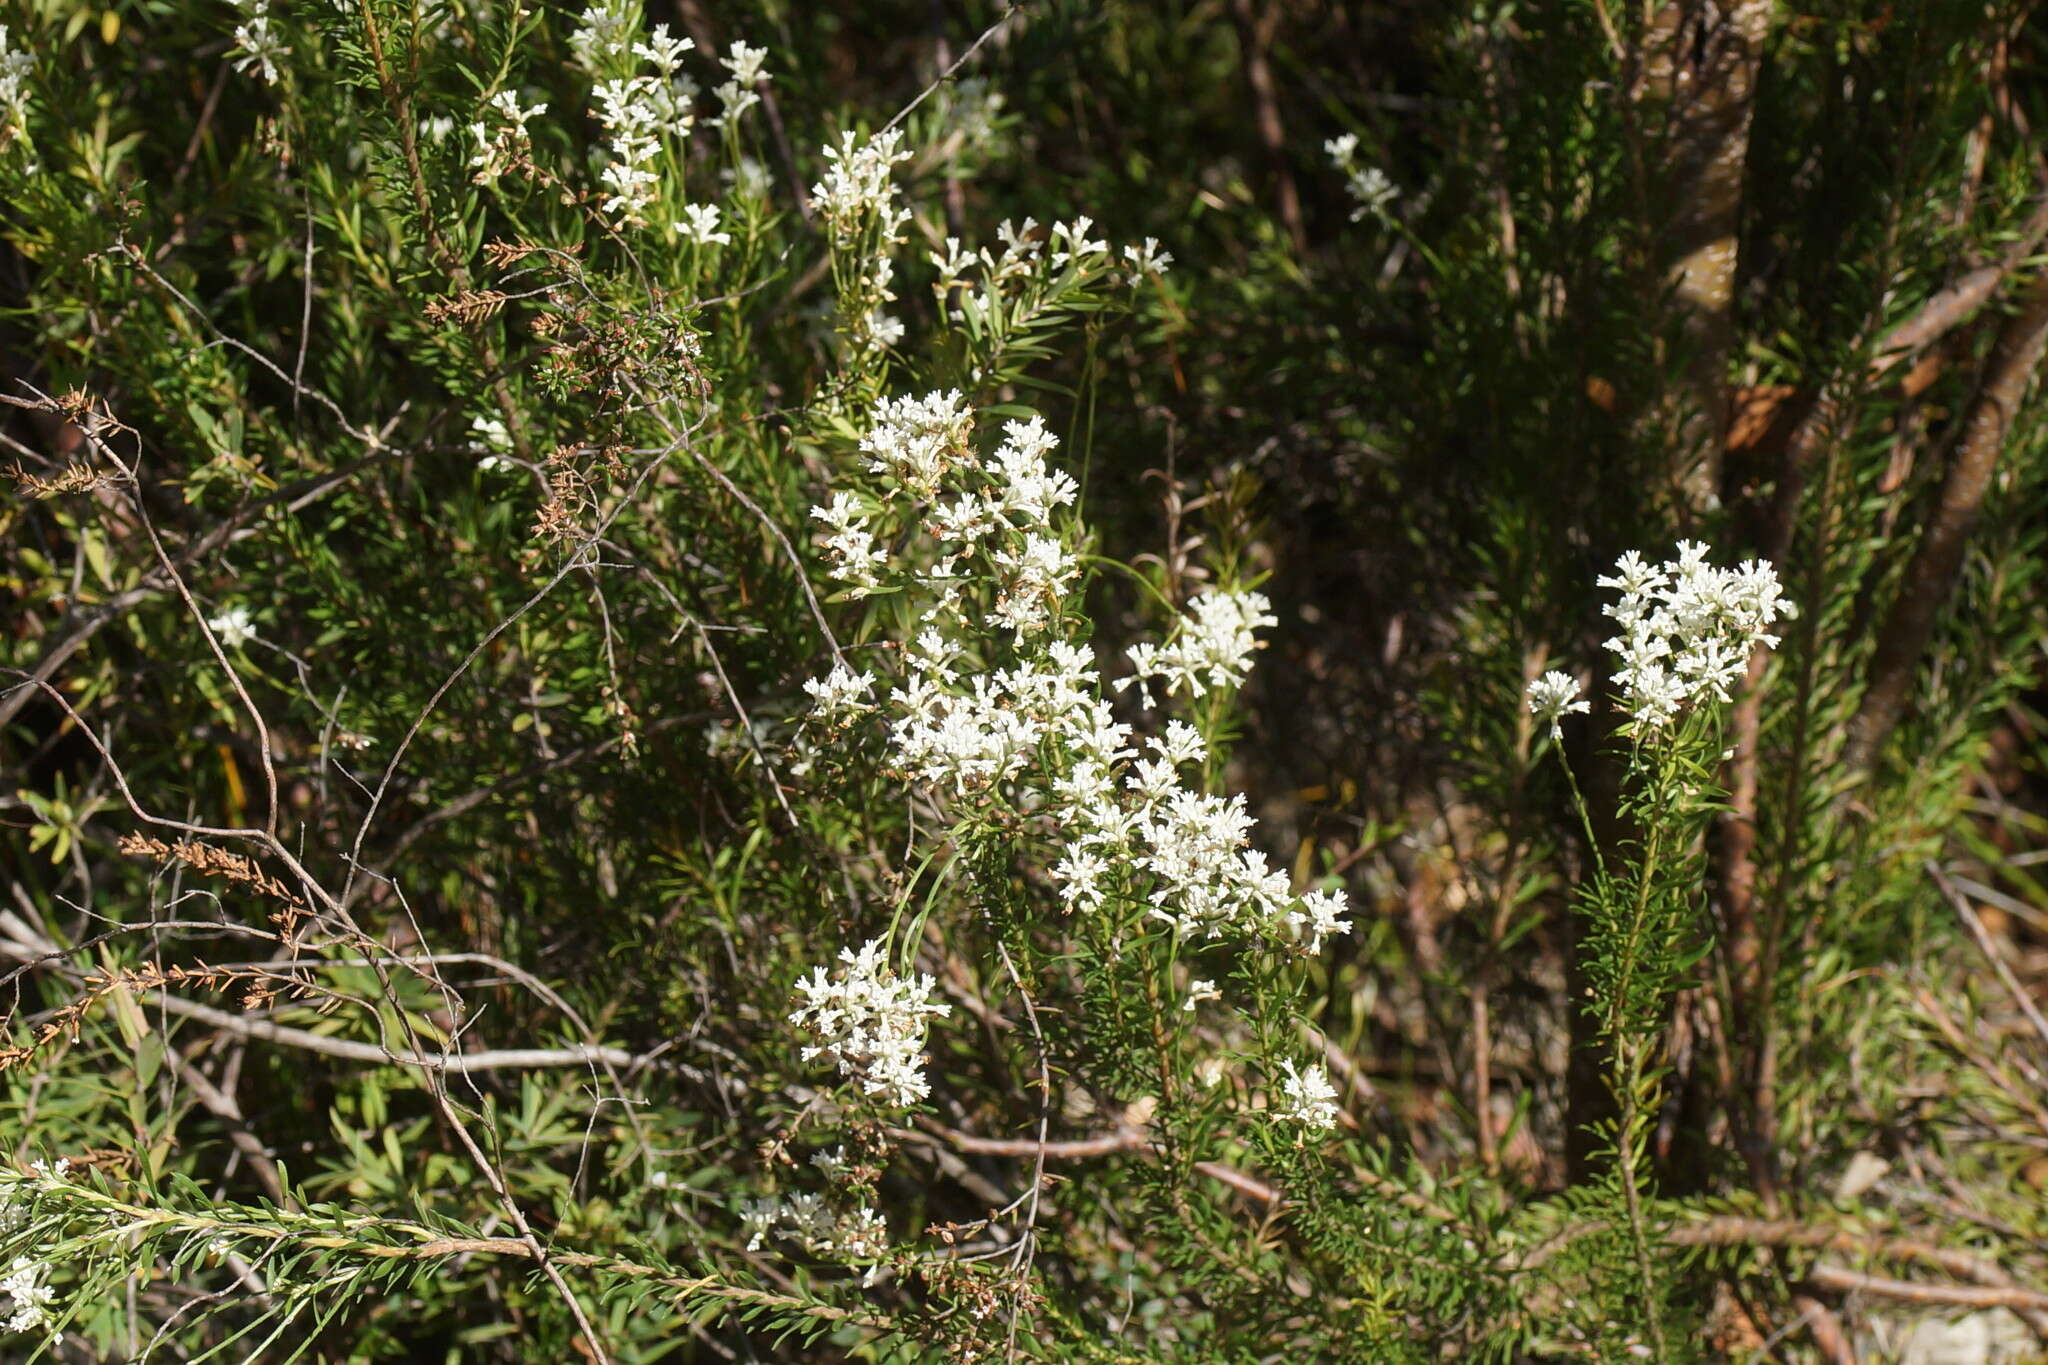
1552 697
1372 191
637 110
1074 244
490 433
856 180
663 52
746 64
260 45
954 262
1035 574
1147 258
757 1219
1688 629
1198 991
1319 915
503 139
633 189
870 1023
838 1235
235 627
28 1295
734 100
699 224
1080 876
1212 646
1309 1097
969 718
849 543
15 68
604 36
918 439
840 691
882 329
1020 247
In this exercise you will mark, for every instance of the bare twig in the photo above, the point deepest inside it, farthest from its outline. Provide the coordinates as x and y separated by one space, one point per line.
1846 1281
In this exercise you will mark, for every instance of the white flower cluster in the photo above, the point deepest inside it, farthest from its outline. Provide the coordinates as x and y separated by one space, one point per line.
1687 628
498 147
1212 647
1025 265
1552 697
636 109
261 47
1371 192
805 1219
856 194
1035 729
235 627
699 224
871 1023
840 691
14 72
746 65
1309 1097
24 1287
490 433
857 183
917 440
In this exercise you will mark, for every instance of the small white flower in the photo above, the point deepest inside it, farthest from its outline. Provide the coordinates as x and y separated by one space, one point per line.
1320 916
234 626
1213 645
15 68
856 181
664 52
883 329
1688 629
31 1297
870 1023
1372 192
745 63
1311 1099
1148 259
490 433
260 46
700 225
604 35
833 1164
1203 989
1554 696
839 691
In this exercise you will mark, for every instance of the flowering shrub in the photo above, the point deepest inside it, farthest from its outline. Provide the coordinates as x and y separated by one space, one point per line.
755 684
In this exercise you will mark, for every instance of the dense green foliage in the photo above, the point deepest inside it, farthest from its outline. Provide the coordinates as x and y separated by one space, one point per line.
421 838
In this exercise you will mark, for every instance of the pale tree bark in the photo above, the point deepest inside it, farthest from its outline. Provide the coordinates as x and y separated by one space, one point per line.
1695 92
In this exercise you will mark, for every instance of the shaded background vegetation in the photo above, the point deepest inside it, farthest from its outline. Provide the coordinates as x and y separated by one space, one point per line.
1757 274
